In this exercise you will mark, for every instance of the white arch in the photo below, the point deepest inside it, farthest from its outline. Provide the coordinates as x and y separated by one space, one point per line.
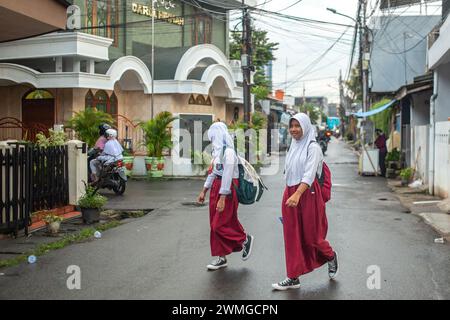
194 55
133 64
218 71
19 74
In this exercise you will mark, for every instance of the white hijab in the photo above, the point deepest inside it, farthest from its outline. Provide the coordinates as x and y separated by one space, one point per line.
297 155
219 136
113 148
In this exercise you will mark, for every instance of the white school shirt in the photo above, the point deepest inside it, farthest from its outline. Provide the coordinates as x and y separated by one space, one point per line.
228 171
313 166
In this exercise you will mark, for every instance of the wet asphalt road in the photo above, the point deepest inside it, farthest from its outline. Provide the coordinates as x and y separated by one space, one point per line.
164 254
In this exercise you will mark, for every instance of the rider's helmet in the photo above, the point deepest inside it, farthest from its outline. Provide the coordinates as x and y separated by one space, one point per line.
111 133
102 128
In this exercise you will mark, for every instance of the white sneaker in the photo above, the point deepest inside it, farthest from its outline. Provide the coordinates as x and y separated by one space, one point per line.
247 248
333 267
287 284
221 262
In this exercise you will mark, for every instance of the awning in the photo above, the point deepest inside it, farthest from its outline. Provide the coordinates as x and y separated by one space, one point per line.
375 111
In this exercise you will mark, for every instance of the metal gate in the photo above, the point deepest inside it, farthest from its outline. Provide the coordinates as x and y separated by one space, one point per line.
32 179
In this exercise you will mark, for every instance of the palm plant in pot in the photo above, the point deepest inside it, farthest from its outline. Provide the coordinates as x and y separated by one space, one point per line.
53 223
157 138
406 175
90 204
85 123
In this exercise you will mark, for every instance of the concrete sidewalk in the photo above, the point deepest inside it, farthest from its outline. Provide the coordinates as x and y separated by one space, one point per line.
421 204
427 207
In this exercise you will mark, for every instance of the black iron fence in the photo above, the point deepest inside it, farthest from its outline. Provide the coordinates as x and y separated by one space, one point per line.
32 179
50 180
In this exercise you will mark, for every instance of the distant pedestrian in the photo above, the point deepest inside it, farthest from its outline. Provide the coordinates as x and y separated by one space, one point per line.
227 234
380 142
305 223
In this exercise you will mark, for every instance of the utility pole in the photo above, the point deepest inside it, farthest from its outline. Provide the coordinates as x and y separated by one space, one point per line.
247 68
343 106
153 60
364 62
304 98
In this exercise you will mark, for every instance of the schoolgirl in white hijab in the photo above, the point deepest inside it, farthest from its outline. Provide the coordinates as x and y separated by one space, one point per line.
225 162
304 219
304 159
227 234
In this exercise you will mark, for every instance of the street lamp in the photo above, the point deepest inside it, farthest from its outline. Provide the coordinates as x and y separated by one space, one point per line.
341 14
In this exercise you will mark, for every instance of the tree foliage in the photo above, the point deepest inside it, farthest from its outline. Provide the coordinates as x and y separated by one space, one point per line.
263 53
354 86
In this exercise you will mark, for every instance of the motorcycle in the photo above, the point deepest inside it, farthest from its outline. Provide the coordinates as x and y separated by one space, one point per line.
112 176
323 139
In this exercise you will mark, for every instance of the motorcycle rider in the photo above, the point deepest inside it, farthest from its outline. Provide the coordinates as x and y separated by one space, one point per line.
112 152
99 145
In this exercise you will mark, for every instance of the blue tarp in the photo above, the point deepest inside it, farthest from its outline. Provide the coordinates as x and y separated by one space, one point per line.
375 111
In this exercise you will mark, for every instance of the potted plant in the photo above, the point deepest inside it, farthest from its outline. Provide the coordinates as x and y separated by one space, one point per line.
53 223
157 138
90 204
406 175
128 160
85 124
392 159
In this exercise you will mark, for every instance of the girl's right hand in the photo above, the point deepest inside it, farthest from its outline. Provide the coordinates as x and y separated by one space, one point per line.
201 197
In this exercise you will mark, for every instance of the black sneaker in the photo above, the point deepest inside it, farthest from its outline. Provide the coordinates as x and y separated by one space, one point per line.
287 284
221 262
333 267
247 249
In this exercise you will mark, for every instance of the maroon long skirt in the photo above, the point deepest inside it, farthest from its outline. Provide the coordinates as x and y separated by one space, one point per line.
305 229
227 234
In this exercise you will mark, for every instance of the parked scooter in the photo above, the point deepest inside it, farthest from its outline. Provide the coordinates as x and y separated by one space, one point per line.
112 176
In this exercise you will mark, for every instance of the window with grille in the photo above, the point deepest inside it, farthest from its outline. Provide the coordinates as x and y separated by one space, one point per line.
102 18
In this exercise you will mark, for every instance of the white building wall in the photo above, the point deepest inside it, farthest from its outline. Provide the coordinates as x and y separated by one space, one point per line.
442 159
420 151
443 89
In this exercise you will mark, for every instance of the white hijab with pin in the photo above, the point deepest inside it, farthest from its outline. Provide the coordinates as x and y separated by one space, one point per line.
296 159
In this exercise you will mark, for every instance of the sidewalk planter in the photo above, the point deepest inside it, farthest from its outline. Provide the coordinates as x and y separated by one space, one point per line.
406 175
157 139
53 223
128 161
53 227
155 167
90 204
90 215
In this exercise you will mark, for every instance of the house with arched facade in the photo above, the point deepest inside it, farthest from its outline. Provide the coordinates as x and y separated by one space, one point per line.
107 64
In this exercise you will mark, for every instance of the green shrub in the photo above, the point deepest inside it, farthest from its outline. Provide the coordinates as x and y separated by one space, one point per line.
55 138
406 173
394 155
91 199
53 218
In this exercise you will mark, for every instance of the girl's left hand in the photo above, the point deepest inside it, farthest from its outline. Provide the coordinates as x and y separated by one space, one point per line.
293 201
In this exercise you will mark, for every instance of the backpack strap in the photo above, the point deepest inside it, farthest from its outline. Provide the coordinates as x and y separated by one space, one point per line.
321 178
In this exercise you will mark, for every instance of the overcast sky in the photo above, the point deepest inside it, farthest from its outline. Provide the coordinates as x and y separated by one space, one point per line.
301 46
